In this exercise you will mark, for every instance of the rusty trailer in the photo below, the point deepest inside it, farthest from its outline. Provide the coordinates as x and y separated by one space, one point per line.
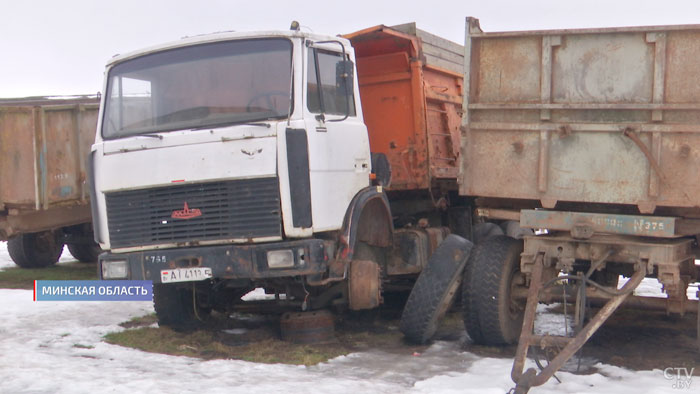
591 137
43 181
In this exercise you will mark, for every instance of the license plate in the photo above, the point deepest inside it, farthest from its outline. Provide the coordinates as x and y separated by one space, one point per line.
185 274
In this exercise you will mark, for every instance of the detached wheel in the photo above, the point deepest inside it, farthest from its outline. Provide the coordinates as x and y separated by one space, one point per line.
435 289
490 315
85 253
35 250
175 307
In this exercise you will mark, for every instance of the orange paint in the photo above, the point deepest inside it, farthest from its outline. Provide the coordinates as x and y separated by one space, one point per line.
412 110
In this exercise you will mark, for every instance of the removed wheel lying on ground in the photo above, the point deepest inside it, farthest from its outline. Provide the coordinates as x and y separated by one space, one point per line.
435 289
35 250
490 315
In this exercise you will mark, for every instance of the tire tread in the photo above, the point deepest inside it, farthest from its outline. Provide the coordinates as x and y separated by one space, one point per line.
484 278
430 292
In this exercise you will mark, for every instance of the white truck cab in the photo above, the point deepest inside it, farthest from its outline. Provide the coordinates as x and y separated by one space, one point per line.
233 109
234 161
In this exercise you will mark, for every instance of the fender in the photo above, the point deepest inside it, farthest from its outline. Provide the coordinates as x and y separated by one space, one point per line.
368 219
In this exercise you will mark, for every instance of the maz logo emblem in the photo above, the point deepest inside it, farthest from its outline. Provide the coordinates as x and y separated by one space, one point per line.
251 152
186 213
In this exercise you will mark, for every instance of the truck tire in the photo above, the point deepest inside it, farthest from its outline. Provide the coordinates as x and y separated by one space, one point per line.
35 250
435 289
490 315
85 253
175 307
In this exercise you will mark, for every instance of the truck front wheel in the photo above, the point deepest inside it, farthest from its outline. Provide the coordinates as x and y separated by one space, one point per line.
35 250
178 307
85 253
491 315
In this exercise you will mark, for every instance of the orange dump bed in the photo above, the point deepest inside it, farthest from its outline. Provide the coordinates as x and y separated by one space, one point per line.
411 89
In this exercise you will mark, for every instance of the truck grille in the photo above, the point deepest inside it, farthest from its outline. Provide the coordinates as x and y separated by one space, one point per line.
246 208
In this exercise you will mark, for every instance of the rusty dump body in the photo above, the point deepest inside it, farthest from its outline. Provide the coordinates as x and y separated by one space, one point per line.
44 144
608 116
411 90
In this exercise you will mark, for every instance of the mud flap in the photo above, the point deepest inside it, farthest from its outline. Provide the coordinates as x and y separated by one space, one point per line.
364 287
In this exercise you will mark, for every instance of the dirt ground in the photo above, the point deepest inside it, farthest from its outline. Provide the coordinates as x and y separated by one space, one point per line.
638 340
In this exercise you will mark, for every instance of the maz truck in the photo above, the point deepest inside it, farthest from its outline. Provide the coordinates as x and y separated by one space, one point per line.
319 168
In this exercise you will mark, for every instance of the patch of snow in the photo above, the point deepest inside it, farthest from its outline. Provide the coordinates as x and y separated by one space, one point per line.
651 287
235 331
5 260
550 323
258 295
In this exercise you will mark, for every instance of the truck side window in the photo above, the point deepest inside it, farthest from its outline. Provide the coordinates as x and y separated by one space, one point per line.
330 97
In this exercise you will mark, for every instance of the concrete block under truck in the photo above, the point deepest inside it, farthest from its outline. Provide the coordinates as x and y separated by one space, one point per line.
44 198
592 136
316 167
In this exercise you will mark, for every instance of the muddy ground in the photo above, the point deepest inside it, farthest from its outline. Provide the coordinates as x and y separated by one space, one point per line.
638 340
633 339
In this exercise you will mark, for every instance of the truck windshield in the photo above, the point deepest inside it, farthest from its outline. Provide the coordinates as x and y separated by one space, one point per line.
199 86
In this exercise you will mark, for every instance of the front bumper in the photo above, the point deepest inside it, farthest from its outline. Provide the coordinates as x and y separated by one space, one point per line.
225 261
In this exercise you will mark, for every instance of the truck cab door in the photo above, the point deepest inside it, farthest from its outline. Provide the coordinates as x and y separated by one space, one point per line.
339 156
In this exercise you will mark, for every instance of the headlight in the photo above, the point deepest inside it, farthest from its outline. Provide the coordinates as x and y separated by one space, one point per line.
280 259
115 269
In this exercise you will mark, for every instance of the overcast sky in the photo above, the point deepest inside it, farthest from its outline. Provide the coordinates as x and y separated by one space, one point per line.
60 47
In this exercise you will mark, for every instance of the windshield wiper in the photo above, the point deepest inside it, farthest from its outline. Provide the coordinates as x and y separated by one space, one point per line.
158 136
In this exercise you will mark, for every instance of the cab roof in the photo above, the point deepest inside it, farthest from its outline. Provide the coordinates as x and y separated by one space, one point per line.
223 36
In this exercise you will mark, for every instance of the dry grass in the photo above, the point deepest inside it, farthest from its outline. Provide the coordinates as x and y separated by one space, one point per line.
23 278
208 344
256 338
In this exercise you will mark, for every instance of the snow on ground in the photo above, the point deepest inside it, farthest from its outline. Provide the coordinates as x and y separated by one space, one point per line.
56 347
5 260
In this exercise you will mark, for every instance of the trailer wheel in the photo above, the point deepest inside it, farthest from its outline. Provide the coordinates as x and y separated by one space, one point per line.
435 289
85 253
491 316
175 307
35 250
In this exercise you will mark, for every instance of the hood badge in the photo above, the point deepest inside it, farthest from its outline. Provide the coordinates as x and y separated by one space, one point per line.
252 152
186 213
